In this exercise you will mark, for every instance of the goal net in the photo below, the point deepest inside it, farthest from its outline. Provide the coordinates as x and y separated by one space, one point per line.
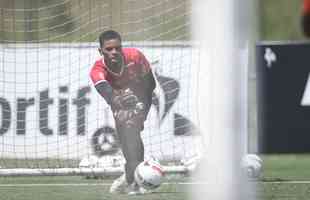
52 121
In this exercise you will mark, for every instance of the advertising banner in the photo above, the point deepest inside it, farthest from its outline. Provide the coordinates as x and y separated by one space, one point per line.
284 97
50 109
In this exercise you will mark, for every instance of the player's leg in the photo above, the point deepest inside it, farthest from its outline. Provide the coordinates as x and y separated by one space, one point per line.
133 149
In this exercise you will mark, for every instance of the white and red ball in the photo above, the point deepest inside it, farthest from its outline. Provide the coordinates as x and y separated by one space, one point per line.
149 174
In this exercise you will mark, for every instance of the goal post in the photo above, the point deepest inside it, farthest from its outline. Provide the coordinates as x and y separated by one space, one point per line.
222 30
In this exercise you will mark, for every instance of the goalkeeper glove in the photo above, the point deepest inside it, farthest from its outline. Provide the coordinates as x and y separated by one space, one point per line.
124 99
131 117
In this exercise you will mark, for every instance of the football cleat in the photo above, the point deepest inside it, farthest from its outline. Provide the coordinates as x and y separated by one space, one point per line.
119 186
135 189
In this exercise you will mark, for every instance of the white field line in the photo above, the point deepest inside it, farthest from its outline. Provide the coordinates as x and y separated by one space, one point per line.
86 184
68 184
285 182
108 184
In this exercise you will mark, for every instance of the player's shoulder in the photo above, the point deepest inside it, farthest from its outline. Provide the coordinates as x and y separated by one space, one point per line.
98 71
131 53
98 66
131 50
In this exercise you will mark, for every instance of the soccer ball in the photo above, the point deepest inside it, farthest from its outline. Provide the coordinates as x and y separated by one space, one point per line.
149 174
251 165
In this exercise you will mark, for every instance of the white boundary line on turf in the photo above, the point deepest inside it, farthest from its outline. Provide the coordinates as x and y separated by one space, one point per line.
83 184
52 184
286 182
108 184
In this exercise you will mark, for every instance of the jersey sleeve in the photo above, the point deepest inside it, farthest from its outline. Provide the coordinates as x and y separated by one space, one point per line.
102 86
97 76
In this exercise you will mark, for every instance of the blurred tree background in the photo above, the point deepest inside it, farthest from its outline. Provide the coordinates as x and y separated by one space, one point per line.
280 20
83 20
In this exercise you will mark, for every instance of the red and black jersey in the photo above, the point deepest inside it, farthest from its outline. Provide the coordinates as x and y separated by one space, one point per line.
136 66
136 75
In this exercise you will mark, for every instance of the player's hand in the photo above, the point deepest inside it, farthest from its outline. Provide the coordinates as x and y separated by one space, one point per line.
125 99
131 117
123 115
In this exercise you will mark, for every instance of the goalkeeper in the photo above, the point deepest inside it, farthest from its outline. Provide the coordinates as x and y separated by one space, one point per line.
123 77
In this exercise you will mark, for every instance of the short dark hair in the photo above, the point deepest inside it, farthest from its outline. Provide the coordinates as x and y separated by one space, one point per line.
108 35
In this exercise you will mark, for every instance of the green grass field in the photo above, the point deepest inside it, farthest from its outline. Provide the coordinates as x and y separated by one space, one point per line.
76 188
285 177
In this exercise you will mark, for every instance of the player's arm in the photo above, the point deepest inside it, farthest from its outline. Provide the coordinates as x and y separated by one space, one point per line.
105 90
117 99
150 84
102 86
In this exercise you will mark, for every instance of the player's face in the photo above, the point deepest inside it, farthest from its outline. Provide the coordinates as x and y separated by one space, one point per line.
112 52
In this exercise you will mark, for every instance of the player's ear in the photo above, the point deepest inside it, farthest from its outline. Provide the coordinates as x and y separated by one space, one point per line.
100 51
